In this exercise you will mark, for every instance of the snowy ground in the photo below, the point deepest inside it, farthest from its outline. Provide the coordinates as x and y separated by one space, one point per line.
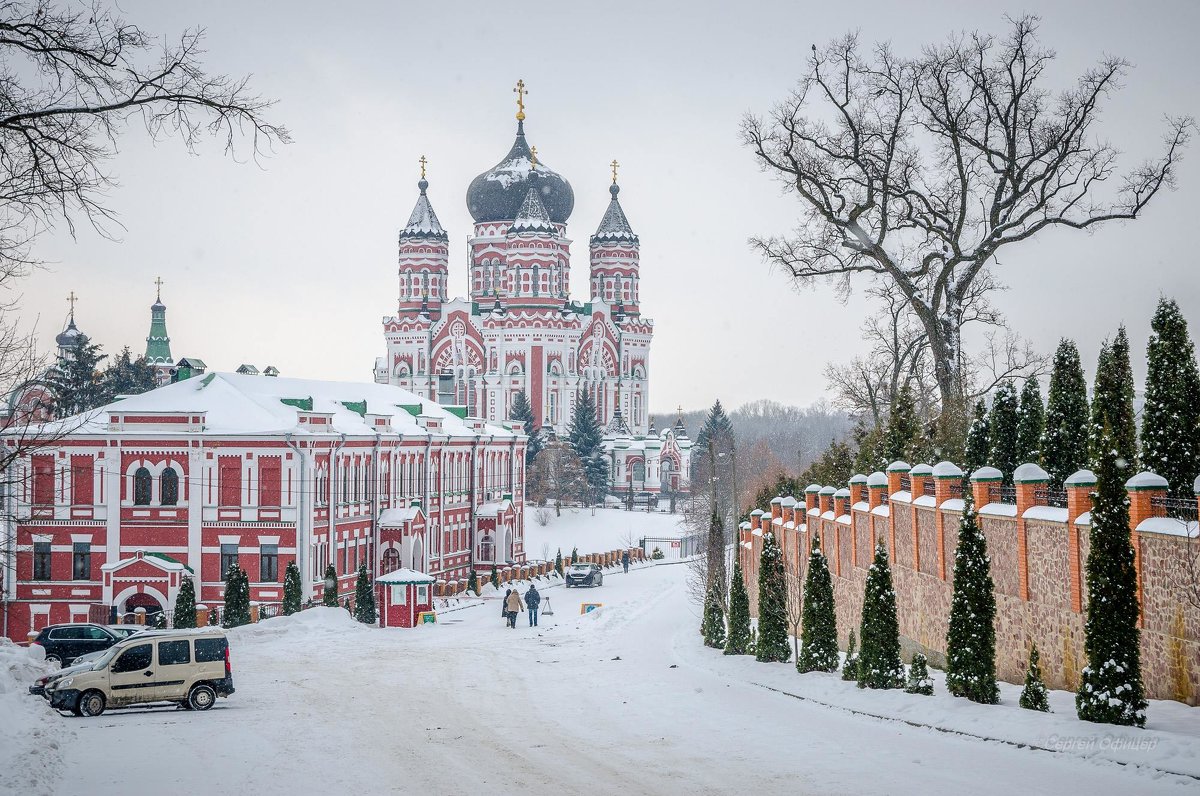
606 529
621 700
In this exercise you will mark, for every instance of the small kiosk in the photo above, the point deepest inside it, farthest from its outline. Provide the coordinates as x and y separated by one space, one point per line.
405 598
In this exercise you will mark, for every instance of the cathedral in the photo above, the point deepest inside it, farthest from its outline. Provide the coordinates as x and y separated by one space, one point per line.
519 330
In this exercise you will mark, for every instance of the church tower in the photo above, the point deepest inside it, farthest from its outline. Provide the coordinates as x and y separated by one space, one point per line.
158 344
615 257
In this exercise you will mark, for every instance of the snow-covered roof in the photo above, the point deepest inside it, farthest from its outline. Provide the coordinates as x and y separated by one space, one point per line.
947 470
423 223
394 517
405 576
1146 480
1030 474
494 508
238 404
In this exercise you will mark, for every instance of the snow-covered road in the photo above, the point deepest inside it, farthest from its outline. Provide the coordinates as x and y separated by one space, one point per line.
622 700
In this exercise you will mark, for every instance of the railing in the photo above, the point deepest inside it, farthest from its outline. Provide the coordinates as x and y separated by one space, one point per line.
674 547
905 483
1008 494
1175 508
956 489
929 488
1051 497
883 498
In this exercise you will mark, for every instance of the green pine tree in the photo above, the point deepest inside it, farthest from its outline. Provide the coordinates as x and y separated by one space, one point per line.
879 663
1002 431
128 376
850 665
558 563
904 430
494 579
1033 695
1114 380
712 627
818 635
919 681
574 555
1065 441
77 380
971 637
364 597
329 597
213 617
1031 423
586 436
1171 415
473 583
979 448
1110 689
772 644
522 410
185 605
291 589
737 642
237 597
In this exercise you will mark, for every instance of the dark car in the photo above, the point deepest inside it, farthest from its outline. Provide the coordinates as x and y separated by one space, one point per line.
584 575
65 643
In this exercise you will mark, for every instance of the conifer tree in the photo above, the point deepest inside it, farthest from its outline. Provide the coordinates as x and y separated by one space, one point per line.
473 582
818 635
919 681
586 437
1110 689
558 564
772 644
1002 431
329 597
737 642
522 410
1114 381
185 605
978 447
712 626
213 617
1031 423
971 636
364 597
291 589
1033 695
574 555
495 576
903 427
850 665
879 663
1065 441
127 376
237 597
1171 415
78 382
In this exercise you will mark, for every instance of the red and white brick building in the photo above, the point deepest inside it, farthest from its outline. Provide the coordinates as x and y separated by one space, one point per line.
178 481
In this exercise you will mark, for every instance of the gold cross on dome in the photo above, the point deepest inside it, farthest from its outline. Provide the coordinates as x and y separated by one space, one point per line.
423 161
158 283
71 299
520 91
533 161
614 165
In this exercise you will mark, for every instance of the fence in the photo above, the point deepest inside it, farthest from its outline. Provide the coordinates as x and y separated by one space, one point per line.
673 547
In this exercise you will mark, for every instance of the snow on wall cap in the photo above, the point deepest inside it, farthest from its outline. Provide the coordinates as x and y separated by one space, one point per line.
1030 473
744 524
987 474
858 478
812 488
757 513
775 501
789 502
843 492
947 470
827 490
1081 478
877 479
1147 480
921 469
899 467
1196 485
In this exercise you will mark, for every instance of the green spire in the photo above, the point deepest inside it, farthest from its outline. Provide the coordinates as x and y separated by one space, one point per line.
158 344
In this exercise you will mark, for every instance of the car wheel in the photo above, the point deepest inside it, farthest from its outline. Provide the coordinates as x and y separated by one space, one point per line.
91 703
184 704
76 711
54 659
201 697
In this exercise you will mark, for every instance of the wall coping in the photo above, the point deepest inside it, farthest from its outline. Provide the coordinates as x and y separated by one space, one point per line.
858 478
921 469
811 488
878 478
899 467
1030 473
986 475
1146 480
1081 478
827 490
947 470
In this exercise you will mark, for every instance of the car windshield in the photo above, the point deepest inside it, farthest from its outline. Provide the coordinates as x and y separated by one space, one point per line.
581 567
107 657
125 632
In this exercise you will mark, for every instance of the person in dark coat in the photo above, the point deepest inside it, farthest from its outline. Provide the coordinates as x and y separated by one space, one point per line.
625 561
533 599
504 608
513 603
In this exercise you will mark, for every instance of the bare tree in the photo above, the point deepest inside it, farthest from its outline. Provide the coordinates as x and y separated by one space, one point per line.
915 173
557 474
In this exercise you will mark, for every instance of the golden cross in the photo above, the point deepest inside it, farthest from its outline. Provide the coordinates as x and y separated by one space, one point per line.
423 161
158 283
614 165
72 299
520 92
533 162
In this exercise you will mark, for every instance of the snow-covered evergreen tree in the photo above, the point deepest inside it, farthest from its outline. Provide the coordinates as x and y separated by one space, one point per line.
1110 689
971 637
1114 381
1031 423
1065 440
291 589
1002 431
712 625
522 410
1033 695
1171 415
364 597
850 665
879 663
818 635
494 579
919 681
213 617
329 597
903 427
586 436
737 641
772 639
237 597
558 564
185 605
978 447
473 582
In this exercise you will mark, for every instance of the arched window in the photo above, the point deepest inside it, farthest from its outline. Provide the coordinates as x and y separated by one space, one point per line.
639 472
141 487
169 487
487 549
391 560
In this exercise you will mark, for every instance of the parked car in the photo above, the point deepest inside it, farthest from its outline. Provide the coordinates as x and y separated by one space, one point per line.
79 664
125 631
188 667
65 643
584 575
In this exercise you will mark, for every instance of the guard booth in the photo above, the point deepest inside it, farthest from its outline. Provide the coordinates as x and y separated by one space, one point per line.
403 595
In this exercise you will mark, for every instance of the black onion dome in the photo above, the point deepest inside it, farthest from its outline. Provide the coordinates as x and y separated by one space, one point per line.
69 337
498 193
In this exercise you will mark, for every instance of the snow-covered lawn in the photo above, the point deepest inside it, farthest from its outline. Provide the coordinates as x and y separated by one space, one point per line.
606 529
620 700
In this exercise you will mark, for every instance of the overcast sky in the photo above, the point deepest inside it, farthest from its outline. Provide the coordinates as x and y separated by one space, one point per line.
293 262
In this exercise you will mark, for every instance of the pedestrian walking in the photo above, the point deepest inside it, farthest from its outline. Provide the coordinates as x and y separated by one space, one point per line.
625 561
513 603
533 599
504 606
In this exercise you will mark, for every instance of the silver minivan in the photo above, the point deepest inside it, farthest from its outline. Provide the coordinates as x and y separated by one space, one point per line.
188 667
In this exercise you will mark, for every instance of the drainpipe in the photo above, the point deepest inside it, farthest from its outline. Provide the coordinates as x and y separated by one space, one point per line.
425 479
375 505
303 518
333 482
7 583
472 522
